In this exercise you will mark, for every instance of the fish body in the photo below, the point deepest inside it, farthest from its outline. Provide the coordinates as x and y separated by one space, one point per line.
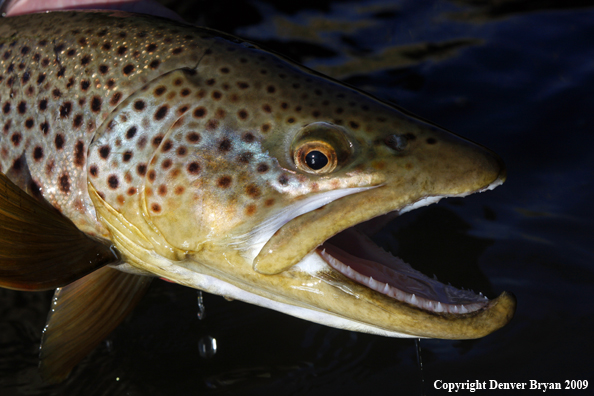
194 156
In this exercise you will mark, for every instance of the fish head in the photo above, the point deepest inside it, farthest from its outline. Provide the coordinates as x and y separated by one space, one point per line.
256 189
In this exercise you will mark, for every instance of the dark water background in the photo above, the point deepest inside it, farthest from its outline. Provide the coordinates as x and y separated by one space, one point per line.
516 76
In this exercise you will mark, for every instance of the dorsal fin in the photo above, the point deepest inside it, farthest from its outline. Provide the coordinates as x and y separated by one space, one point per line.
41 249
83 314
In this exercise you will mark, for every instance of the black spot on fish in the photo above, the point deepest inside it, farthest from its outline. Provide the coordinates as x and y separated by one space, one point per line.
193 137
253 191
85 60
154 64
59 142
262 168
157 140
79 154
84 85
283 180
224 181
160 90
248 137
16 139
113 182
93 170
225 145
151 47
44 127
167 146
115 99
77 122
139 105
65 183
193 168
127 156
6 108
131 132
29 123
103 69
65 109
199 112
122 50
128 69
56 93
22 107
161 112
104 151
141 169
38 153
96 104
43 104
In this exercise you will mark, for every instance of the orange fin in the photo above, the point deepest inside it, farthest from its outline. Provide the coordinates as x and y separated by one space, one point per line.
83 314
40 249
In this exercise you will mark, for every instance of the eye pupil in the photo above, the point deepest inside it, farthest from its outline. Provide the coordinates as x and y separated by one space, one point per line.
316 160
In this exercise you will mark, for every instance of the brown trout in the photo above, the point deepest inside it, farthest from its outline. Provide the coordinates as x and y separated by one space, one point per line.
135 147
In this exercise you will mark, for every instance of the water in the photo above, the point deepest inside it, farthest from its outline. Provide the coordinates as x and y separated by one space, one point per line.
510 75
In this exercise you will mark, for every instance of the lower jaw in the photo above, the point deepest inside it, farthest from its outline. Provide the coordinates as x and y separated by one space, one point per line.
362 261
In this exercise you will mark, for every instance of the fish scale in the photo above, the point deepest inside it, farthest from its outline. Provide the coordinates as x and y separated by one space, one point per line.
61 76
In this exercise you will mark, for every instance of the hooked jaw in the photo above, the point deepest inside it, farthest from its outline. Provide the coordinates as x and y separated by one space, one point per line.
374 287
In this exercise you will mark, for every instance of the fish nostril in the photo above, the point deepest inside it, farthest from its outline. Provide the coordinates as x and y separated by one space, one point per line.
396 142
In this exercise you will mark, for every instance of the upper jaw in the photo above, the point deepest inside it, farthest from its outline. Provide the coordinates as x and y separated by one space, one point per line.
452 313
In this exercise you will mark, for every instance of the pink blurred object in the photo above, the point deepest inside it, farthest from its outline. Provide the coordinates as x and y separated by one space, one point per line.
18 7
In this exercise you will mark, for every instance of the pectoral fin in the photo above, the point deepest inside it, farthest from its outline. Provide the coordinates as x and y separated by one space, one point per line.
83 314
40 249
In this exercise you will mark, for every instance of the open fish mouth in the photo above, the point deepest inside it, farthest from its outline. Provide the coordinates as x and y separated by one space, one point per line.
357 257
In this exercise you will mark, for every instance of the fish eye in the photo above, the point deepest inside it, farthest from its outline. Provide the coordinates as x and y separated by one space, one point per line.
316 160
320 148
316 157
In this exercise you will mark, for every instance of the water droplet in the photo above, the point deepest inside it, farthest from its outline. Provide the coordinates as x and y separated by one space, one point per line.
201 309
207 347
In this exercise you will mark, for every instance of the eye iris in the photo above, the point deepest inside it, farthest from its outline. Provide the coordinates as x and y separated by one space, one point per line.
316 160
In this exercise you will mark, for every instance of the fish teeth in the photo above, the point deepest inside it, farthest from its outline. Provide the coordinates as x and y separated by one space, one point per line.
439 307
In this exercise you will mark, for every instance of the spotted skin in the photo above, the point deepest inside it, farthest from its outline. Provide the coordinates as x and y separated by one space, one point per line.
181 146
61 76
